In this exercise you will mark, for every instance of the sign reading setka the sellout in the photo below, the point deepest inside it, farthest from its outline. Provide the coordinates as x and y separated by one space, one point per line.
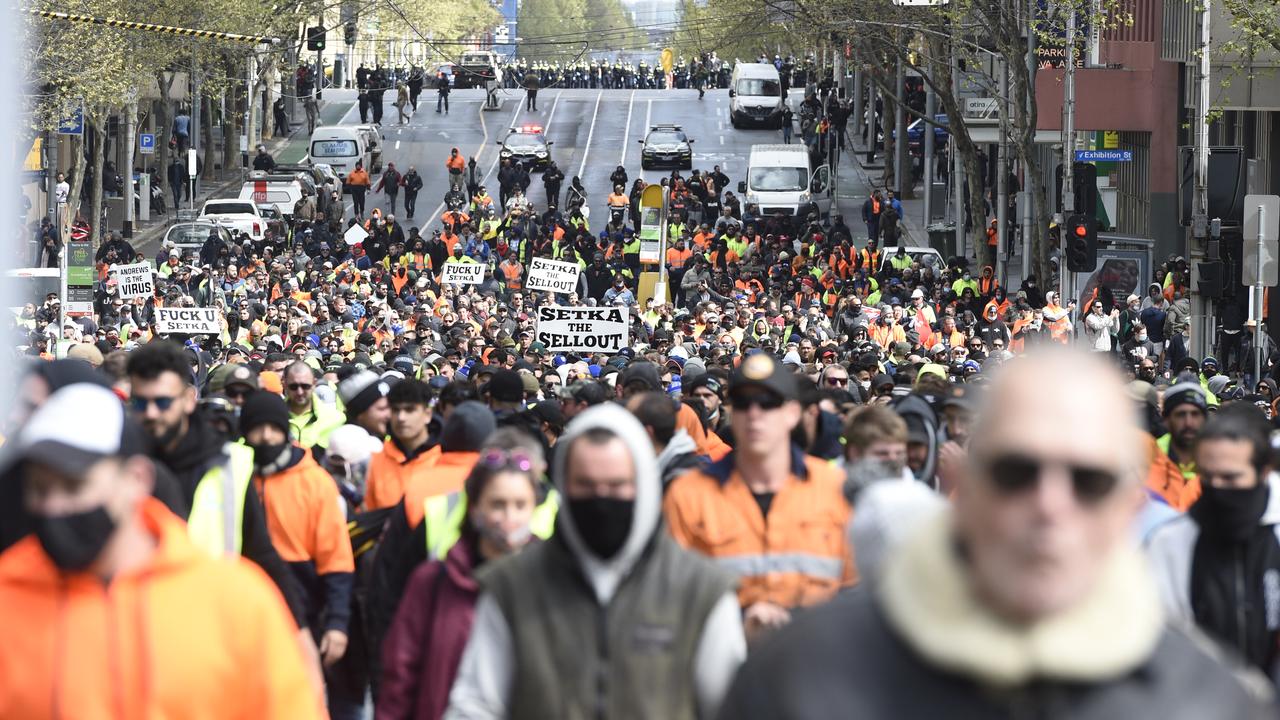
583 329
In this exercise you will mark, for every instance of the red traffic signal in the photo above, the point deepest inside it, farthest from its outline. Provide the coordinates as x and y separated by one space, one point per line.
1082 243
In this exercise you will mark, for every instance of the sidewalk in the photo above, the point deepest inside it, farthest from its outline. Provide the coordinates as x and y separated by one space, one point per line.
289 150
912 220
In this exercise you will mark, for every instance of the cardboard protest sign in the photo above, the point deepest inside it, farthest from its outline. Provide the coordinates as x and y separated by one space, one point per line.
462 274
188 321
583 329
552 276
135 281
355 235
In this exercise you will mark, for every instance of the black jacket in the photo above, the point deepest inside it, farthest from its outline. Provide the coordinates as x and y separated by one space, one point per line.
843 660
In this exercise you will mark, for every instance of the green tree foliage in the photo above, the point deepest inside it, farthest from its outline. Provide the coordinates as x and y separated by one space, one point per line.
565 30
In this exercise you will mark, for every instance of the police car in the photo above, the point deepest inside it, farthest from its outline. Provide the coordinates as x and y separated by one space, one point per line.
666 146
528 145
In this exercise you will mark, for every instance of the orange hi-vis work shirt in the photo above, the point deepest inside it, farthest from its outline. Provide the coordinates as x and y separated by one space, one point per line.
447 476
390 472
304 517
796 556
184 635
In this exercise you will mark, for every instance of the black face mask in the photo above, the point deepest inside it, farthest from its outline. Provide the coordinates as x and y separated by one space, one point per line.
603 523
74 541
1232 513
267 453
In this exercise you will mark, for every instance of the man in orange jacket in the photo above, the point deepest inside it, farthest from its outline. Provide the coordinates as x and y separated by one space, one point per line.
772 515
304 517
109 609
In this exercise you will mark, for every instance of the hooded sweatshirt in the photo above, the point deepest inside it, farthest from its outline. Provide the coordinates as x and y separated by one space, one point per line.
488 675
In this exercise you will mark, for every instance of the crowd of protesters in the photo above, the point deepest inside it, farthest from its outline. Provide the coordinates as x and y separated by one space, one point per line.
460 521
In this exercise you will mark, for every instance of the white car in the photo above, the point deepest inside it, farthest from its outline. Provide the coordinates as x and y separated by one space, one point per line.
236 214
927 257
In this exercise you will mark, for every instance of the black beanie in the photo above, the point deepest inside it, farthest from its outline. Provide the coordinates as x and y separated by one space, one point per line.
506 386
264 408
467 427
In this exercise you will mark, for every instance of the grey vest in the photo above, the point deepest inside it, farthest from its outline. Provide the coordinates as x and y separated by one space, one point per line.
632 659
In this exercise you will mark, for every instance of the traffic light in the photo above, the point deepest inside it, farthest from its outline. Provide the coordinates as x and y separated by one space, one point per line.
349 32
1082 243
315 38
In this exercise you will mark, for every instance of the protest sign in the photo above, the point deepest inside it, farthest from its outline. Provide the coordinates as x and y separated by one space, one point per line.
189 321
134 281
462 274
355 235
583 329
552 276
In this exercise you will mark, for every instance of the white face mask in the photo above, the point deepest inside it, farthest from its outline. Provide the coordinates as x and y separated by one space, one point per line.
866 384
507 541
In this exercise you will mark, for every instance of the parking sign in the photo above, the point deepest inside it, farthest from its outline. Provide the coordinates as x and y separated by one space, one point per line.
147 143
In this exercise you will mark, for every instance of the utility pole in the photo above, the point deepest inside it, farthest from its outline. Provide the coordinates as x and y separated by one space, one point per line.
130 137
857 100
1201 331
957 167
195 132
1003 240
930 111
900 133
1068 153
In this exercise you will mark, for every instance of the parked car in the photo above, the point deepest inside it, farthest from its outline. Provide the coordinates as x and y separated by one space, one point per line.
188 236
927 257
275 219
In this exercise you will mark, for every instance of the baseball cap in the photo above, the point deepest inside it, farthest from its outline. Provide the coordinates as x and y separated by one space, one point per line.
763 370
242 375
550 412
642 372
76 427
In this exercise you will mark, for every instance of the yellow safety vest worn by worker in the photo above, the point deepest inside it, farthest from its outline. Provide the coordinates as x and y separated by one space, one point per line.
443 515
216 522
314 428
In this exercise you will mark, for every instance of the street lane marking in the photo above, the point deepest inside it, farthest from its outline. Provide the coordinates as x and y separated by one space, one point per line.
648 115
398 143
626 132
484 142
590 131
721 139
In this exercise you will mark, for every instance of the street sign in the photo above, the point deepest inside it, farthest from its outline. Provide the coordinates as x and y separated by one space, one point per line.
73 122
1268 244
1104 156
147 143
191 162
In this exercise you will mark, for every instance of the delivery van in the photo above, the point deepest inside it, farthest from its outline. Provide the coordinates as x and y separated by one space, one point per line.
755 96
341 147
782 182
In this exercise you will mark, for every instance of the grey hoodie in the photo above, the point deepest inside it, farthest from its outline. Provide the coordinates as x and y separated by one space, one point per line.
487 671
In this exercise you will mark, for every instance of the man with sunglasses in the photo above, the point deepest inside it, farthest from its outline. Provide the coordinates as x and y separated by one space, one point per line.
208 467
1027 598
310 421
766 512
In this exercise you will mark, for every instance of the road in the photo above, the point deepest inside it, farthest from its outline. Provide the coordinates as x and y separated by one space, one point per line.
592 131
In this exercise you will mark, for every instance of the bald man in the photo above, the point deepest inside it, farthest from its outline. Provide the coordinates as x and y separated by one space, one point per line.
1026 598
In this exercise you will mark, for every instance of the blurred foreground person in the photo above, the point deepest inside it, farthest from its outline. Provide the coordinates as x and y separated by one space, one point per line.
610 617
1026 599
110 608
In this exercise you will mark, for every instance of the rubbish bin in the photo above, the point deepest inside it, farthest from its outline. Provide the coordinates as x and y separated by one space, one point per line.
942 237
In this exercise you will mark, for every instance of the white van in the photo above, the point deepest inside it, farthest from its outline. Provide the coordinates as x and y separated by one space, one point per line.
341 147
755 95
284 190
782 182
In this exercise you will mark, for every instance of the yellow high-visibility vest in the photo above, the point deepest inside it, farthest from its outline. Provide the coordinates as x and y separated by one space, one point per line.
444 515
216 522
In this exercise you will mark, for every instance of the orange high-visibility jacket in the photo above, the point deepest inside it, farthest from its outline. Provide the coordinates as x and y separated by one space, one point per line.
186 635
390 473
797 556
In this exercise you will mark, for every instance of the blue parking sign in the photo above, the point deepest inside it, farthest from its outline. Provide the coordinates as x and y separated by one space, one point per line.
73 122
147 143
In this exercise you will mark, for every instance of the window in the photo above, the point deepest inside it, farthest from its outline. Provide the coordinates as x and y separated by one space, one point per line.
779 179
666 138
229 208
334 148
759 86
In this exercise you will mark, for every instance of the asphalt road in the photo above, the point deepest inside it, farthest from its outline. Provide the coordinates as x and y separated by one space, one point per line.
592 131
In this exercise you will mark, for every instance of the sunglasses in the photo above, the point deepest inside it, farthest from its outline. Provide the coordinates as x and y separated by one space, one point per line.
764 402
1014 474
298 387
162 403
837 381
497 459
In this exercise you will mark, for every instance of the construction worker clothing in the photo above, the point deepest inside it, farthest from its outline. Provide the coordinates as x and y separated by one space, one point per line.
309 529
184 635
216 520
392 469
447 476
1190 489
1166 479
313 427
791 553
